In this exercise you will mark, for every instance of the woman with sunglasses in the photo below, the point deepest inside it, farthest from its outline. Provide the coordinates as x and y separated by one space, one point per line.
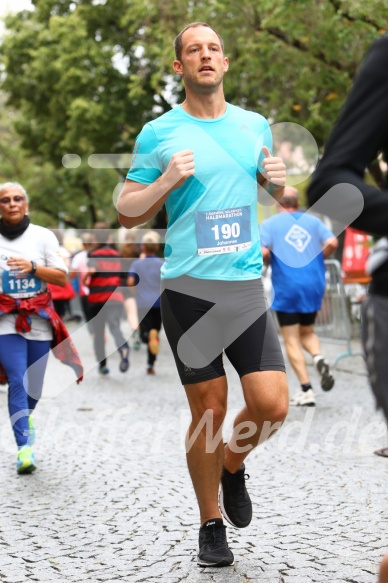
29 326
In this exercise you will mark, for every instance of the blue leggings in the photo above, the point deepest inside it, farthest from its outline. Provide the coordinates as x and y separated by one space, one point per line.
16 356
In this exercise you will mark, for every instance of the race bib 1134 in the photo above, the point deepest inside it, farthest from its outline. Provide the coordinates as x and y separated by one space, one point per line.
18 286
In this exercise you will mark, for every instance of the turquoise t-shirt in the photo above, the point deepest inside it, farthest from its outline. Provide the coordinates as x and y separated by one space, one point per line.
212 230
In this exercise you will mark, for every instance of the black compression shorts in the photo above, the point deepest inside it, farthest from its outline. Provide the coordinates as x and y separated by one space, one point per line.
204 318
289 319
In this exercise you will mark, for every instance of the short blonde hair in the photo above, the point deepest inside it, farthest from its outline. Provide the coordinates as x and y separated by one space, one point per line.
151 237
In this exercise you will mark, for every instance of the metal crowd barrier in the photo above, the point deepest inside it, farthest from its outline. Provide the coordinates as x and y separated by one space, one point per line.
333 321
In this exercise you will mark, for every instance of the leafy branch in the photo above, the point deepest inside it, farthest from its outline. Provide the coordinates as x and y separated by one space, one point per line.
365 19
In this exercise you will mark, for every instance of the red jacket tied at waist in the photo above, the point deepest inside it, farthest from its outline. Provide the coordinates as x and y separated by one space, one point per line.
42 306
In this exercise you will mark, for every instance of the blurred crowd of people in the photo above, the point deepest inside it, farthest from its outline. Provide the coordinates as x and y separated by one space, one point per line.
114 281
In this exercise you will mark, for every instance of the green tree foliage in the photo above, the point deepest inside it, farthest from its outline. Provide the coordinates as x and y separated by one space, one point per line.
85 75
56 194
16 165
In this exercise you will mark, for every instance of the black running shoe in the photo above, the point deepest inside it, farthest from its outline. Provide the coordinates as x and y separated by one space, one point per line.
327 379
235 504
213 546
124 360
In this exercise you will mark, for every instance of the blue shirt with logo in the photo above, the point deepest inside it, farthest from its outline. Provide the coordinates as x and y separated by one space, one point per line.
298 269
212 230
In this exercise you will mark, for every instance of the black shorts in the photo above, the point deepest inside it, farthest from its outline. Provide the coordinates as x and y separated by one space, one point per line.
204 318
290 319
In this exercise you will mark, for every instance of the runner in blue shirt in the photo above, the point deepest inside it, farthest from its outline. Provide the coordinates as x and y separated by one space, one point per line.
146 270
295 244
208 161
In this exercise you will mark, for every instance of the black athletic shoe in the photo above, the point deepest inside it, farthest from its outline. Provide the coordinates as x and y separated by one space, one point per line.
235 504
327 379
124 359
213 546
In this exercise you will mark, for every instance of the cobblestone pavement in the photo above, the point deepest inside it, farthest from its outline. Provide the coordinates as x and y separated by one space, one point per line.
111 499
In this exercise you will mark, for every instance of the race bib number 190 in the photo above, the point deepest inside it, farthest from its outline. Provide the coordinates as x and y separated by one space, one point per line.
16 286
223 231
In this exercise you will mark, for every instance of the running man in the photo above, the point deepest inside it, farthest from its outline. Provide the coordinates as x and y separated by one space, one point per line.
296 244
207 161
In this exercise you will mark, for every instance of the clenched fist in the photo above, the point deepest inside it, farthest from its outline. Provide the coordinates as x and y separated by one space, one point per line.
180 168
275 169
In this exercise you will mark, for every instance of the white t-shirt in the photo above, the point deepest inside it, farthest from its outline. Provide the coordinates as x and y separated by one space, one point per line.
80 263
35 244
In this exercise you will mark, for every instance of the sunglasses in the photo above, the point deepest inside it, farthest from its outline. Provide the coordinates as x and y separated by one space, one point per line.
8 199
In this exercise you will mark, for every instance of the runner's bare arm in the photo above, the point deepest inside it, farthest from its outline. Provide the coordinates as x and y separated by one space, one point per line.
131 281
86 276
138 203
130 205
266 255
329 246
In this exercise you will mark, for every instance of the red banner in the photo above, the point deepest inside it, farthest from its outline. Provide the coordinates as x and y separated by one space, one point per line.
355 253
